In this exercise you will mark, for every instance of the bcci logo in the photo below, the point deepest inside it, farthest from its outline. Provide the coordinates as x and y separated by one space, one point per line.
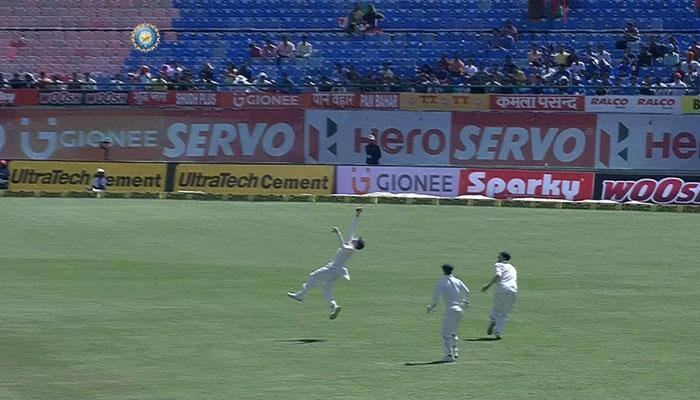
145 37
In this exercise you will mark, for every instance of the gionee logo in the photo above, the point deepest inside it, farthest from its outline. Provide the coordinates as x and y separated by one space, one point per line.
361 184
314 139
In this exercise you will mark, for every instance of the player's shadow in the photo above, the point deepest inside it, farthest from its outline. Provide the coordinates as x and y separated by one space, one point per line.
415 364
301 341
481 339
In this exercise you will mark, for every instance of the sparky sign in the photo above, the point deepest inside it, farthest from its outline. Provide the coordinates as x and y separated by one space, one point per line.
508 184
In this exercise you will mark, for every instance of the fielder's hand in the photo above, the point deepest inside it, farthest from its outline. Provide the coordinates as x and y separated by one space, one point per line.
335 229
430 308
485 288
358 211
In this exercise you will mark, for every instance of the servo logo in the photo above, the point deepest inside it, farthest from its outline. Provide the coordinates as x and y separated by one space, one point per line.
621 146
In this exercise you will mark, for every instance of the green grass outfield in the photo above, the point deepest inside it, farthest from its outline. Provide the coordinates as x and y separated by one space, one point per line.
150 299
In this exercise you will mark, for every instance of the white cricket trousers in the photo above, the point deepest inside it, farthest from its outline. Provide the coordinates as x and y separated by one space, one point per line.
326 276
502 303
448 329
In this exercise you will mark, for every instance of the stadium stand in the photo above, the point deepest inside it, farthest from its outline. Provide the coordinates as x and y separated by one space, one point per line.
94 36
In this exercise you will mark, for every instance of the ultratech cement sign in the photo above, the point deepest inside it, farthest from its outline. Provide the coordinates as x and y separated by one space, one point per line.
254 179
659 189
55 176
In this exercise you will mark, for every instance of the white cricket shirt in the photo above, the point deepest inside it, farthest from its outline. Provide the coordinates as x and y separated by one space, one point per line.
454 292
509 277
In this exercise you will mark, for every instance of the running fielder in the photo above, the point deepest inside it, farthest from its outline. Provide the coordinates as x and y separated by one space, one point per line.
505 277
335 269
455 295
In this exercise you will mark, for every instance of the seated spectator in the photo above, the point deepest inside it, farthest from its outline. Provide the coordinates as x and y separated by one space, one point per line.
660 87
371 17
469 68
678 87
4 175
309 85
386 75
262 83
509 66
456 67
340 74
230 74
646 88
519 78
353 77
509 30
695 49
630 34
74 83
629 56
480 78
88 82
174 81
186 82
633 86
494 84
286 85
603 55
534 57
617 88
159 83
688 64
443 63
304 48
269 50
144 76
241 84
578 68
116 82
245 71
99 181
254 50
286 49
44 82
671 59
561 57
325 85
656 49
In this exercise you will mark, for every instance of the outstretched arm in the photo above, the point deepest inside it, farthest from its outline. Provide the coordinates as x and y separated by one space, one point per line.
340 236
436 298
355 222
496 278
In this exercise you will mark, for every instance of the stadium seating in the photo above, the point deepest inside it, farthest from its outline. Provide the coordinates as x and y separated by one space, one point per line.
416 32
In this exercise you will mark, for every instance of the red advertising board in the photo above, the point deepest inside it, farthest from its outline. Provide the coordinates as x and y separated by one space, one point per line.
537 102
508 184
152 135
523 139
344 100
18 97
143 98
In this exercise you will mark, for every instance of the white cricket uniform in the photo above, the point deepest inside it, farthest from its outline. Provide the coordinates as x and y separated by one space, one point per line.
504 297
335 269
455 295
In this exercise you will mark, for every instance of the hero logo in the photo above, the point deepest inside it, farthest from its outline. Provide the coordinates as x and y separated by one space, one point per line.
512 184
665 191
55 138
393 140
199 140
491 143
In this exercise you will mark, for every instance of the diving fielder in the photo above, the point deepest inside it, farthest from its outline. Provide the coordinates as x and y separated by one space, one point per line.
455 295
336 268
505 277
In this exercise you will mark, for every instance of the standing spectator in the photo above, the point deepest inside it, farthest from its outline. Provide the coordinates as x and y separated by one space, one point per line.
671 59
4 175
144 77
679 87
355 19
631 34
304 48
370 17
386 75
373 151
245 71
285 48
456 67
99 181
687 64
254 50
444 63
509 66
270 50
88 83
230 74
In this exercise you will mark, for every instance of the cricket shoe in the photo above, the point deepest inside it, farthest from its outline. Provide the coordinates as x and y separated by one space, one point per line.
335 311
448 359
455 354
499 336
489 330
295 296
